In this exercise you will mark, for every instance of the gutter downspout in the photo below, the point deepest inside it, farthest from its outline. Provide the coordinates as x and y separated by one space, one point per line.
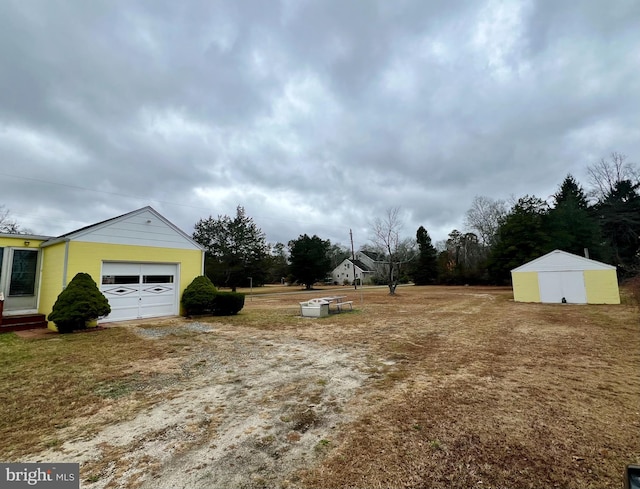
65 263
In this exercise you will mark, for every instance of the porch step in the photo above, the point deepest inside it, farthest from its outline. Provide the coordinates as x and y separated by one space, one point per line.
21 322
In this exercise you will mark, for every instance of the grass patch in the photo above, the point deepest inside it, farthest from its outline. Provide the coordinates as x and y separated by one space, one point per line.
48 382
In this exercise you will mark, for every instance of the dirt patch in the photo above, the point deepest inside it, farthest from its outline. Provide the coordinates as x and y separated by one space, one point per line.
256 410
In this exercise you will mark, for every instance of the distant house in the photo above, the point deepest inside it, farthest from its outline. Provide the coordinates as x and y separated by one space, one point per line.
140 261
564 277
363 269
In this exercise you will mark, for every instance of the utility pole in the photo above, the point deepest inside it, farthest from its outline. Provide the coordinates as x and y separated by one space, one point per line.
353 260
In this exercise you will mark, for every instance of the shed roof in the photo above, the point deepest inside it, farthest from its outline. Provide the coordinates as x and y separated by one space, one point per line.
559 260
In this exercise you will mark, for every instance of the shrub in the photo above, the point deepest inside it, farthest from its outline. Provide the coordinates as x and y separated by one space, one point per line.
228 303
81 301
198 297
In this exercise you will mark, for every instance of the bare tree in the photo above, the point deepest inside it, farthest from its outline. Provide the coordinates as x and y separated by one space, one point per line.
484 218
604 175
7 224
397 252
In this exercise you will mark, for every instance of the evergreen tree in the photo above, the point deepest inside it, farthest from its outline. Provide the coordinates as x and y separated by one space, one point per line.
236 249
522 237
570 224
81 301
310 260
619 217
426 269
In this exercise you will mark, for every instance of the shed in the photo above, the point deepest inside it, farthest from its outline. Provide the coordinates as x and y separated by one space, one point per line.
564 277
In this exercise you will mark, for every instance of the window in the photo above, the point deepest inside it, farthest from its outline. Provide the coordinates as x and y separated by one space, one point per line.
120 279
157 279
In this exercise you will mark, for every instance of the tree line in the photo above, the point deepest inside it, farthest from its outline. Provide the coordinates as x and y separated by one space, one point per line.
602 222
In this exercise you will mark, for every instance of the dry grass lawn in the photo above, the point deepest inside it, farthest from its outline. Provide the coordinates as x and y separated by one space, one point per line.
450 387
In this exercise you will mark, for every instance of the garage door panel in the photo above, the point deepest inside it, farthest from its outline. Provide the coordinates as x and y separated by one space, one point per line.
139 290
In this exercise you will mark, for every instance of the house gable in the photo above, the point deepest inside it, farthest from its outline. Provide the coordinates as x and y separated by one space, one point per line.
143 227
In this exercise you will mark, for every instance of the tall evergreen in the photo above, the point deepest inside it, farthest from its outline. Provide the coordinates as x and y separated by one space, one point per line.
310 260
619 217
522 237
236 249
570 225
426 269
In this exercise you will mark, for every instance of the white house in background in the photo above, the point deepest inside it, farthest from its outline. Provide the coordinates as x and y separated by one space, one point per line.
363 268
564 277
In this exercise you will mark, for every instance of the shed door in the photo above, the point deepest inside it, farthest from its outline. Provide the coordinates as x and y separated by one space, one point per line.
140 290
556 285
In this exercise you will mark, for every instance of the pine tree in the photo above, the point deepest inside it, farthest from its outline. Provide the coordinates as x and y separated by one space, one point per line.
426 268
570 224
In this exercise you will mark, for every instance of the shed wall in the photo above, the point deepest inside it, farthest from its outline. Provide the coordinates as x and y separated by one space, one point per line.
525 287
602 287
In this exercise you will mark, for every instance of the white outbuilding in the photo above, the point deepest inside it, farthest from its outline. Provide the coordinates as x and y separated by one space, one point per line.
564 277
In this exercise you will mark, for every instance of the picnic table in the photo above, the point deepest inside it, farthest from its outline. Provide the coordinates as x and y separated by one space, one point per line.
338 301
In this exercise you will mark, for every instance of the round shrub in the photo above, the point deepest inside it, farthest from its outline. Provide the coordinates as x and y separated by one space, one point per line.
81 301
198 297
228 303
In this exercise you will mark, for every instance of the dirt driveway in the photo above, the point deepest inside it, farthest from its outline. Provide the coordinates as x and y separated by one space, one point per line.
436 387
251 407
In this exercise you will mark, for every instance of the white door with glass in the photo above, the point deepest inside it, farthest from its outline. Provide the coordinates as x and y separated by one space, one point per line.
140 290
19 279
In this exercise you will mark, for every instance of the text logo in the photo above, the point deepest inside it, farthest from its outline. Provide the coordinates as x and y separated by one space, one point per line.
41 475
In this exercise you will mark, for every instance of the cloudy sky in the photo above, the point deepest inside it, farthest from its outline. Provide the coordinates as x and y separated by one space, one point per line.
316 116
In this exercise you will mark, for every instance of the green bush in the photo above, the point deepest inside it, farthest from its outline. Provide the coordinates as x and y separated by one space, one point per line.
227 303
81 301
199 296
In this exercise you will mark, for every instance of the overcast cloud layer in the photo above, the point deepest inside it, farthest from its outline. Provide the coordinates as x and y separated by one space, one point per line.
316 116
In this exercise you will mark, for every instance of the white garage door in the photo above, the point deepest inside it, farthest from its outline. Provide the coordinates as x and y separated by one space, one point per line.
556 285
140 290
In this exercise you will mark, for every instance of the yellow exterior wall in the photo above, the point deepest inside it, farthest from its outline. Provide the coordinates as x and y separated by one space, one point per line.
18 242
51 278
88 257
602 287
525 287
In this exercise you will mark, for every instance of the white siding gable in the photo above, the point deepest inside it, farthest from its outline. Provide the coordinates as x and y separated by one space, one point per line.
144 227
562 261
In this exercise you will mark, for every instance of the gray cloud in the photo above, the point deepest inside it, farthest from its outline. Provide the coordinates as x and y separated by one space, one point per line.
315 116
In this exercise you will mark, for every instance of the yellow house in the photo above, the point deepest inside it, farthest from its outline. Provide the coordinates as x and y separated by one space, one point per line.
564 277
141 262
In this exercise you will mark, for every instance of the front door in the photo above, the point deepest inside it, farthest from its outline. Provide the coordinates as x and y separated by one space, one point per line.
19 278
